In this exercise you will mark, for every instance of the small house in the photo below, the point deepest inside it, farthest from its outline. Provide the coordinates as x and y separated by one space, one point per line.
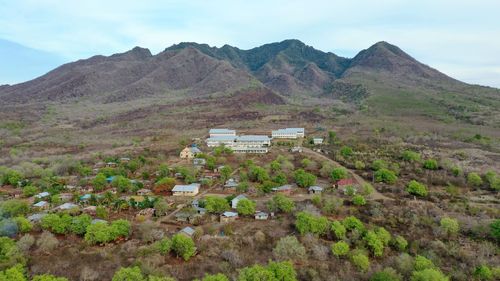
317 141
315 189
189 231
261 216
234 202
66 197
284 189
228 216
199 162
85 197
42 195
187 217
42 205
90 210
94 221
146 213
67 206
36 217
124 160
111 165
189 152
296 149
144 192
186 190
231 183
346 182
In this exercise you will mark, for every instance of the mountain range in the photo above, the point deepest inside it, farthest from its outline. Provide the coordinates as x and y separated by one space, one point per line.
290 83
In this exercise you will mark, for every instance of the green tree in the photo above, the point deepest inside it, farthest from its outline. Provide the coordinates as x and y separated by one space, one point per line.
48 277
422 263
121 183
15 273
303 178
358 200
474 180
385 175
246 207
281 203
23 224
10 254
359 165
59 224
99 182
256 273
275 166
340 249
12 177
163 246
400 243
128 274
29 190
483 272
120 228
416 188
383 235
309 223
280 178
282 271
164 184
80 223
14 208
339 173
379 164
257 174
495 229
98 233
163 171
429 274
361 261
374 243
215 204
449 226
225 172
338 230
351 222
215 277
346 151
431 164
289 248
183 246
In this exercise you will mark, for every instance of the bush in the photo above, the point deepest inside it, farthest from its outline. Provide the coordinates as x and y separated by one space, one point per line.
361 261
400 243
379 164
15 273
431 164
164 184
183 246
416 188
121 183
59 224
80 223
309 223
359 200
14 208
339 173
289 248
273 271
449 226
29 191
25 243
338 230
483 272
48 277
128 274
98 233
281 203
429 274
99 182
163 246
246 207
215 277
340 249
352 222
10 254
474 180
346 151
388 274
23 224
374 243
367 189
495 229
47 242
385 175
359 165
383 235
410 156
422 263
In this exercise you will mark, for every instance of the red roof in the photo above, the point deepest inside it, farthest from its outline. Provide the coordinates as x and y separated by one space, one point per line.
343 182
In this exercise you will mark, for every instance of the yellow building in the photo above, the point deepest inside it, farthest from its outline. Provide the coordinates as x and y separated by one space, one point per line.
189 152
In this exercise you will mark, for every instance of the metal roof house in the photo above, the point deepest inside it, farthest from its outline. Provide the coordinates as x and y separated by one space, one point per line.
317 140
221 132
186 190
220 140
288 133
189 231
67 206
234 202
189 152
41 205
261 216
315 189
287 189
253 140
228 216
42 195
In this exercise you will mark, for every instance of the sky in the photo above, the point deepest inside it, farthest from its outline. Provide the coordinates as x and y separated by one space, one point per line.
460 38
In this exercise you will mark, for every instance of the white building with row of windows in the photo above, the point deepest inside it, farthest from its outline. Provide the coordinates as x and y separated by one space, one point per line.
288 133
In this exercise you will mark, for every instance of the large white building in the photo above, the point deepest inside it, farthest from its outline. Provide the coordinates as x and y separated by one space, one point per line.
253 141
222 132
219 140
288 133
186 190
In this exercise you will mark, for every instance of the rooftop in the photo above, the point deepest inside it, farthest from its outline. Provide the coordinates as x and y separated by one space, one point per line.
221 138
186 188
221 131
289 130
230 214
253 138
188 230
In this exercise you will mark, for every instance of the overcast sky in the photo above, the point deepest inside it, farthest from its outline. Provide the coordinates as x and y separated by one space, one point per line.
459 37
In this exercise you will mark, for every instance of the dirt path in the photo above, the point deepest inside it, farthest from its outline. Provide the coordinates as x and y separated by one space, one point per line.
375 194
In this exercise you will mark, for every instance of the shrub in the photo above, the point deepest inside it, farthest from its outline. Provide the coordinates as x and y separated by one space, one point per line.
99 182
163 246
431 164
164 184
367 189
352 222
483 272
98 233
400 243
128 274
449 226
374 243
14 208
410 156
338 230
246 207
416 188
495 229
339 173
289 248
183 246
59 224
346 151
215 277
121 183
25 243
429 274
422 263
47 242
379 164
23 224
281 203
29 190
474 180
358 200
273 271
388 274
361 261
340 249
80 223
359 165
48 277
383 235
120 228
15 273
10 254
309 223
385 175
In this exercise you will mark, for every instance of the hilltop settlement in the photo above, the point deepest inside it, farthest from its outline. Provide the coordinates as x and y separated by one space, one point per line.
236 206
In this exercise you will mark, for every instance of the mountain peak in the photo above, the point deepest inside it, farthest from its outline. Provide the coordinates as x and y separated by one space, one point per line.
135 53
